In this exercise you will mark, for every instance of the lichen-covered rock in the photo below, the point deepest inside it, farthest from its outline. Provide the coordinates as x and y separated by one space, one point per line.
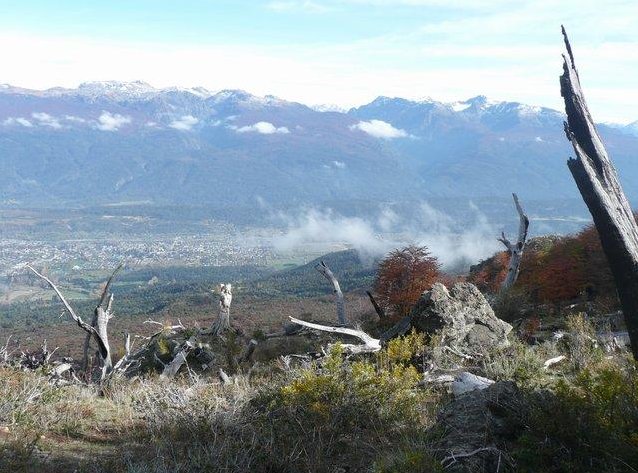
462 316
477 427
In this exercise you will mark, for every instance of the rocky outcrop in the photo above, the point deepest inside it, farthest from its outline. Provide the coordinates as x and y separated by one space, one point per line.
462 316
477 427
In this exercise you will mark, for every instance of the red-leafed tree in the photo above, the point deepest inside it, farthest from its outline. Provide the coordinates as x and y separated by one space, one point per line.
558 270
403 276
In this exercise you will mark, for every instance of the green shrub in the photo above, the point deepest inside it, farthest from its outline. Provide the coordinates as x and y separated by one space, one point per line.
588 426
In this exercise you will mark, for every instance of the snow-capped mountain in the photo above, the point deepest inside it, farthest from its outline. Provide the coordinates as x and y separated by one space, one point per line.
179 145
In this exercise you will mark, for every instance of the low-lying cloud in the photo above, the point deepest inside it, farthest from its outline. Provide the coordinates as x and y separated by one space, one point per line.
17 121
455 244
379 129
112 121
45 119
264 128
185 123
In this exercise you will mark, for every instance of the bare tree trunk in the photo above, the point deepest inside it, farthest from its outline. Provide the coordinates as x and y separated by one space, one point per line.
516 250
223 319
327 273
600 188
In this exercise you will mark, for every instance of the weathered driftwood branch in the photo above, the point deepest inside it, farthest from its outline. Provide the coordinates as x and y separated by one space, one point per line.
327 273
598 183
377 308
370 344
452 459
171 369
223 319
515 249
553 361
223 377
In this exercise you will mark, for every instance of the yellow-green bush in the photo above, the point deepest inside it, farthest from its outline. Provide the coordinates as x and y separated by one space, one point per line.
587 425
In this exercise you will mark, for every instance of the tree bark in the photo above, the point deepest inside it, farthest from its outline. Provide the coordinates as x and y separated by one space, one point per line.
327 273
598 183
516 250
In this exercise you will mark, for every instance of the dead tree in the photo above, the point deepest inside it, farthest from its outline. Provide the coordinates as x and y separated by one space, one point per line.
102 314
598 183
223 319
516 249
327 273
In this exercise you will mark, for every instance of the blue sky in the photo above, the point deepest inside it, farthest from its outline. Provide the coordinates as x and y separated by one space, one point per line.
321 51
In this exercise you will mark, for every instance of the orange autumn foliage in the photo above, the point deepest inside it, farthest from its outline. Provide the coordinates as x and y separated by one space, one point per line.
570 267
403 276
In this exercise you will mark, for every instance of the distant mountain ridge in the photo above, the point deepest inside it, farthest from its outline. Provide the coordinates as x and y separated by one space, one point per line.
107 142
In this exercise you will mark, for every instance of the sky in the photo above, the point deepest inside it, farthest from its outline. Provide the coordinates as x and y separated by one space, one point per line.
344 52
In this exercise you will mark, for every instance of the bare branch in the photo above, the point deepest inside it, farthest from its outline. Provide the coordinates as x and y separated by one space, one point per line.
107 286
81 323
370 344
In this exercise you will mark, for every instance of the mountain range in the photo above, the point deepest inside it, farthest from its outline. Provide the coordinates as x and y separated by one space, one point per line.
110 142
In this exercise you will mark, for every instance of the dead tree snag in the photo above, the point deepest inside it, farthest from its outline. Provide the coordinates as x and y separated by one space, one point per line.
327 273
598 183
223 319
516 249
102 314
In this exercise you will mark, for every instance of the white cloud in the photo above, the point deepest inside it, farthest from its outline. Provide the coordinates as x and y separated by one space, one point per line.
339 164
538 139
112 121
184 123
455 243
379 129
73 118
265 128
45 119
17 121
505 50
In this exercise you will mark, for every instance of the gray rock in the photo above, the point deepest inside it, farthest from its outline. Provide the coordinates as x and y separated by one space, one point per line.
477 427
462 316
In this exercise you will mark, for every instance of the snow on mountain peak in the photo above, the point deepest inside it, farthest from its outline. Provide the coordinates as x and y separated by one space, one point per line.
116 89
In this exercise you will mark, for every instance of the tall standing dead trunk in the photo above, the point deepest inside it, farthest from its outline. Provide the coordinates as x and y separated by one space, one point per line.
341 309
516 250
223 318
101 317
600 188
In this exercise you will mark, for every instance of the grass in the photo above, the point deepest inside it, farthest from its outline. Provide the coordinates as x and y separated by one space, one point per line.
368 414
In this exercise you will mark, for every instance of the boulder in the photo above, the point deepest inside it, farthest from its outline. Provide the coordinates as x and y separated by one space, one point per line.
477 428
462 316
